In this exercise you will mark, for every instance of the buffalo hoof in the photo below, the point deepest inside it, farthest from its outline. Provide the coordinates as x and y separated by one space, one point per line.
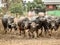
5 32
20 34
50 35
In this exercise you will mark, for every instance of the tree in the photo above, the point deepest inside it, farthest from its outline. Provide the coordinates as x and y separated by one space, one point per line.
38 1
16 8
7 3
16 1
30 5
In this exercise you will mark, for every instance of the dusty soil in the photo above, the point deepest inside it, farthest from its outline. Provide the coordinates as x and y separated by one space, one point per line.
16 39
8 39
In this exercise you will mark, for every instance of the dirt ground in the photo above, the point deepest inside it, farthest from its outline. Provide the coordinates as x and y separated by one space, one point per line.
15 39
8 39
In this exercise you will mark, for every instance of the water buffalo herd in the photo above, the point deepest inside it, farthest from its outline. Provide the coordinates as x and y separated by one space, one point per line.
33 24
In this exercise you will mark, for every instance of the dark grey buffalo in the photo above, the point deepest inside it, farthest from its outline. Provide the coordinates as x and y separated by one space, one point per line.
23 25
38 23
8 22
33 28
43 24
53 23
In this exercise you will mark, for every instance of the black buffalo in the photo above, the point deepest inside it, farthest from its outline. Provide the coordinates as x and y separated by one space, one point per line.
23 25
53 23
8 22
38 23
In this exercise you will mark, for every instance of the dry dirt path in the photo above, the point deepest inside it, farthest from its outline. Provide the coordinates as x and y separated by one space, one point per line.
8 39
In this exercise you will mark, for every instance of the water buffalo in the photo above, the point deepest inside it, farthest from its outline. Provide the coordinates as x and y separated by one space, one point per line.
52 22
37 23
7 22
33 28
43 24
23 25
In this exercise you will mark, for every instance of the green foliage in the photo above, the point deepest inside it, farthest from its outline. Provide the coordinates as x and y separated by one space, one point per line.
16 8
36 4
38 1
31 5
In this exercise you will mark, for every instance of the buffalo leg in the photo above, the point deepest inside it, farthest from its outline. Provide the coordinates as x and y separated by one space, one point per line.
20 32
37 33
5 30
45 32
41 32
50 33
11 30
24 33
